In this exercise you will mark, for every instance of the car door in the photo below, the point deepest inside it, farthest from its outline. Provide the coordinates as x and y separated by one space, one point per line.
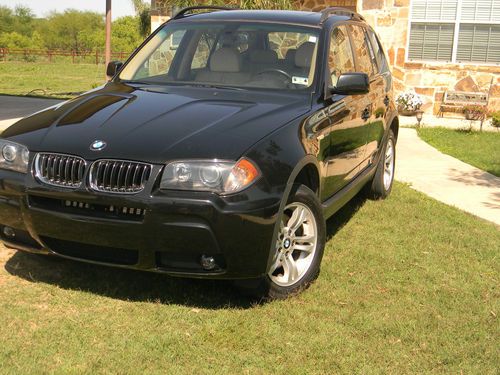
381 86
346 140
375 110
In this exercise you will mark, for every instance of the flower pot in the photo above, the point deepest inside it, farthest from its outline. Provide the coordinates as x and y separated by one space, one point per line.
406 112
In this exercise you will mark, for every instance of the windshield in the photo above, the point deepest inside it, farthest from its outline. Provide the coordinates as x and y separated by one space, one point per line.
241 55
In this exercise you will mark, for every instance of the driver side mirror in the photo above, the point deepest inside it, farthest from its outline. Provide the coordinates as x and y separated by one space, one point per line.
113 68
351 84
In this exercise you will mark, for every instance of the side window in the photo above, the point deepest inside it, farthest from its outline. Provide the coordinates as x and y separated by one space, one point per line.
202 53
379 53
340 59
363 51
160 61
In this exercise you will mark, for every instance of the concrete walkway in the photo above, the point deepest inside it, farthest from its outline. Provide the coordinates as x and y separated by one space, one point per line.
447 179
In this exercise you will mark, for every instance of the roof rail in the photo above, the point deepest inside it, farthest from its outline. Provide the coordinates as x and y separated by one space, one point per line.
325 14
186 11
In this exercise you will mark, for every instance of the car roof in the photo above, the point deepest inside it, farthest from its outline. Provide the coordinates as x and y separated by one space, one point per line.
274 16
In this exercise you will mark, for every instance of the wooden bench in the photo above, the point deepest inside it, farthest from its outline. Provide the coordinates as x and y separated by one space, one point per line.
454 100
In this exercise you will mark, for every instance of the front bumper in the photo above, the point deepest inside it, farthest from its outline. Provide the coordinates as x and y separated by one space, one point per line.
153 231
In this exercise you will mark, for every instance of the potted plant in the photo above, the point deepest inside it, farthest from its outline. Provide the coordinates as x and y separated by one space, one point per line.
474 112
409 103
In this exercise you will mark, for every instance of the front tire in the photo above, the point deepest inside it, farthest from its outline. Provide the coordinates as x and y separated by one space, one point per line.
298 250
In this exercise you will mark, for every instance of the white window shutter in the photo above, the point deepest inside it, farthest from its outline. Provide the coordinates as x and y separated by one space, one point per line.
481 10
431 42
434 10
479 43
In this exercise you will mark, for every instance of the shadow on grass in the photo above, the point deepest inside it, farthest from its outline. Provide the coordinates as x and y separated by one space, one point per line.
342 217
126 285
138 286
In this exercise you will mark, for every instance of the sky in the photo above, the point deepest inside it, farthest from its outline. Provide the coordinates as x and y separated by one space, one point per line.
42 8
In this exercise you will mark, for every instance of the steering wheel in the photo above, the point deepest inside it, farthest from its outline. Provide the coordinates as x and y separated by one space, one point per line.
282 72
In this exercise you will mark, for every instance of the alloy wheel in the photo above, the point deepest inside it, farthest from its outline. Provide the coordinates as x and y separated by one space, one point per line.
389 164
296 245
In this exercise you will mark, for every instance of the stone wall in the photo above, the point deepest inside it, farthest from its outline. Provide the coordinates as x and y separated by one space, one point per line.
430 79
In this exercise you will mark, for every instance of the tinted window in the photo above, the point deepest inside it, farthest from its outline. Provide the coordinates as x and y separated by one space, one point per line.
252 55
379 53
282 43
363 52
205 45
340 59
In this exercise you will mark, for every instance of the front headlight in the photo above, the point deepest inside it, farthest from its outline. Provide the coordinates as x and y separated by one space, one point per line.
220 177
13 156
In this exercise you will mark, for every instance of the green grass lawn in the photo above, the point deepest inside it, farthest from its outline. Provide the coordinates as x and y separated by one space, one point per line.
408 285
481 150
49 79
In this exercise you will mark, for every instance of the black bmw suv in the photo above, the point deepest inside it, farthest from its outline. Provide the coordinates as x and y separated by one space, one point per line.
217 150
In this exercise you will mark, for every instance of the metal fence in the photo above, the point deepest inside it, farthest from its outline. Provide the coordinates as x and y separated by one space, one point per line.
47 55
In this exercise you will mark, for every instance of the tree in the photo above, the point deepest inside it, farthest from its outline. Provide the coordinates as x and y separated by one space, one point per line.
6 20
23 20
71 29
243 4
14 40
143 11
125 34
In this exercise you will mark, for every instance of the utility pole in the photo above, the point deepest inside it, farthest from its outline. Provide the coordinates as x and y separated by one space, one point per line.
108 33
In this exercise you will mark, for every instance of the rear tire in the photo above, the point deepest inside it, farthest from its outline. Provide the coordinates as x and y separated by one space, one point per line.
384 176
298 250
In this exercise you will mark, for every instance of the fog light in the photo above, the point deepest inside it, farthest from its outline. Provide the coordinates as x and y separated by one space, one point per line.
9 232
208 263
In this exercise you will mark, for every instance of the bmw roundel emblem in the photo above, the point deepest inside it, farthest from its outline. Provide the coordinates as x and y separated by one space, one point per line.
98 145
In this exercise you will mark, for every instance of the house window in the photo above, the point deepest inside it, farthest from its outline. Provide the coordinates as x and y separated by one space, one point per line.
465 31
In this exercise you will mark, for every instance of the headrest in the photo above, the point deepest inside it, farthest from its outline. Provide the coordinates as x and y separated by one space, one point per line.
304 55
264 56
226 60
290 55
228 39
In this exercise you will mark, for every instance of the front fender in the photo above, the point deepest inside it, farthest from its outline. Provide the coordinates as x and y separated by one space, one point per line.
281 156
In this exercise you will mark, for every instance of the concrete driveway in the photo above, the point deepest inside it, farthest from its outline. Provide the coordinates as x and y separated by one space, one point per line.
12 108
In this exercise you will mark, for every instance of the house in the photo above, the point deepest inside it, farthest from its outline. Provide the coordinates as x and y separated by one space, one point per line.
433 45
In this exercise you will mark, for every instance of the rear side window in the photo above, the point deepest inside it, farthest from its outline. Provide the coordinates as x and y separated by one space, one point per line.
340 59
362 49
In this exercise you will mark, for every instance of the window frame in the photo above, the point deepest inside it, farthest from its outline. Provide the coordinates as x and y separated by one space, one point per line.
456 32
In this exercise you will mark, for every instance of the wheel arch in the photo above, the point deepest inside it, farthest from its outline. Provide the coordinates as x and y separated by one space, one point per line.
394 126
305 169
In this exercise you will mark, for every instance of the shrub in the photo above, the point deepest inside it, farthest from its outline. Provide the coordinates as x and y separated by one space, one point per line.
495 119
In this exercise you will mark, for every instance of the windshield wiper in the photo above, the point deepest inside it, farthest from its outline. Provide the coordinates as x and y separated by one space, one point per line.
212 86
137 82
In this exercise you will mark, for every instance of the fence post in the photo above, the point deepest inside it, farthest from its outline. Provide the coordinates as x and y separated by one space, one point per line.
73 56
97 57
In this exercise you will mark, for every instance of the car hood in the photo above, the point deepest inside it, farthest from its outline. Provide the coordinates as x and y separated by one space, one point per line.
156 124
